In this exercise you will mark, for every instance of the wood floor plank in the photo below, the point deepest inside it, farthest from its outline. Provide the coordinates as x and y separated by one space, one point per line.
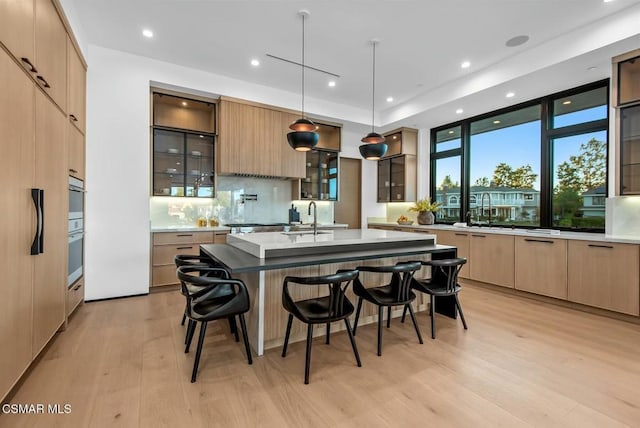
521 363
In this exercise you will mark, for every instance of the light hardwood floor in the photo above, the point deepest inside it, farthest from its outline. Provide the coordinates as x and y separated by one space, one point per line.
521 363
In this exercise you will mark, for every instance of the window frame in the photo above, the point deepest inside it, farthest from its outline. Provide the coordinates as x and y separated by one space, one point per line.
547 135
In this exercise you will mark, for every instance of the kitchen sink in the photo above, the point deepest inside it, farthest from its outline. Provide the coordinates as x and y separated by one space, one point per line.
306 232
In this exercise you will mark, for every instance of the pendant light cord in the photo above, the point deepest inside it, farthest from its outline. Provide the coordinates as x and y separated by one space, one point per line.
303 66
373 98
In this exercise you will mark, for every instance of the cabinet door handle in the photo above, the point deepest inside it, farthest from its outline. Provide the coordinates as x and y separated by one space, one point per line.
461 234
32 68
601 246
539 240
73 170
43 81
73 117
184 248
184 234
479 236
35 245
77 287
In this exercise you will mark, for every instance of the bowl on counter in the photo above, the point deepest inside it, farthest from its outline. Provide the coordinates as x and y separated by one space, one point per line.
405 223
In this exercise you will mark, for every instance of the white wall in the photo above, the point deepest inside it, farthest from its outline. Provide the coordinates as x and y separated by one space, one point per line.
118 151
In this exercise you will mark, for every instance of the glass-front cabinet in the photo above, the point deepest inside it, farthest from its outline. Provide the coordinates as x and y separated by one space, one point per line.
321 181
183 147
183 164
630 153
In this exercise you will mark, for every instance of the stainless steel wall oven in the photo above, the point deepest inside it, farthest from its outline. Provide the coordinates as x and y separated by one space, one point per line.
75 267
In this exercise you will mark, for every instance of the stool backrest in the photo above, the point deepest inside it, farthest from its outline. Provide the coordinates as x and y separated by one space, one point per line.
445 272
401 276
205 280
337 284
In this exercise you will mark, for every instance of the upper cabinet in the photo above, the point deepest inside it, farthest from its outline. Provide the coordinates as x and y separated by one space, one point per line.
626 97
35 34
181 113
252 140
77 85
397 170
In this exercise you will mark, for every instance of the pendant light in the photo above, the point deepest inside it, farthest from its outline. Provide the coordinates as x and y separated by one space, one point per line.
375 147
303 138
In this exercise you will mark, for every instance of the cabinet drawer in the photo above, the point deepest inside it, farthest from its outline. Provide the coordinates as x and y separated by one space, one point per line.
75 295
220 238
163 275
162 238
164 254
604 275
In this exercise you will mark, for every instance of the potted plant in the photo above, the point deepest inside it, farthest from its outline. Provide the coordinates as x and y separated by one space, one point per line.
425 209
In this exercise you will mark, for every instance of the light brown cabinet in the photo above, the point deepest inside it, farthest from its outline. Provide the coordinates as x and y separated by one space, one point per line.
77 88
51 52
166 245
252 140
541 266
604 275
76 152
402 141
459 240
75 295
17 229
17 29
492 258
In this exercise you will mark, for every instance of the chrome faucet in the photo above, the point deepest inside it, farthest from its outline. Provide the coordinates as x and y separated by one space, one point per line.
482 205
315 216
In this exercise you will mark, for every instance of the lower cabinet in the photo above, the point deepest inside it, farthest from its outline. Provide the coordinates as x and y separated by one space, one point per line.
461 241
604 275
541 266
166 245
493 259
75 295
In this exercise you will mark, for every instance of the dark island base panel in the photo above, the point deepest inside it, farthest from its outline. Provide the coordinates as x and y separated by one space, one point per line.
238 261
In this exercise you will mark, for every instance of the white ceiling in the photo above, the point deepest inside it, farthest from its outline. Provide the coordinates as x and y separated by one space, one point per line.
423 43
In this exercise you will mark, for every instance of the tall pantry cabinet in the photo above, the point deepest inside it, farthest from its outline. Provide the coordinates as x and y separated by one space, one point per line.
34 133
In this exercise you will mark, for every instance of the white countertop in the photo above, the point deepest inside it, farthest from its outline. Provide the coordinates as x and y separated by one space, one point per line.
191 229
257 244
582 236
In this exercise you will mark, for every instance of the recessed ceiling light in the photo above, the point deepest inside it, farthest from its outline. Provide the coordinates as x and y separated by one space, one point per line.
184 104
495 122
566 103
332 83
395 137
202 136
450 132
147 33
465 64
255 62
592 68
517 41
389 99
607 1
510 94
459 111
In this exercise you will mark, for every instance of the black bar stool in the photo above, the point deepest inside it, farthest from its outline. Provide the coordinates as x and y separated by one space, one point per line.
205 305
321 310
396 293
222 290
442 283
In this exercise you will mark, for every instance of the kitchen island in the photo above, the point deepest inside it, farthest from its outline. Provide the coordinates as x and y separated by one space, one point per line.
311 255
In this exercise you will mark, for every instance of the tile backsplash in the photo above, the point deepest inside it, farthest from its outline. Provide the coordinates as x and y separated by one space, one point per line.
239 200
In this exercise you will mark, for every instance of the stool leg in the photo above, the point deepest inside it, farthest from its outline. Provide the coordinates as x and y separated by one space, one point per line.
203 330
186 336
243 325
307 362
404 314
234 327
184 317
415 324
388 316
432 311
286 336
353 341
328 333
380 311
355 323
464 323
190 331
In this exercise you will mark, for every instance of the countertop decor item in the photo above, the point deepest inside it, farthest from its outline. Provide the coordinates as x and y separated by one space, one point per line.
303 138
404 221
425 209
374 147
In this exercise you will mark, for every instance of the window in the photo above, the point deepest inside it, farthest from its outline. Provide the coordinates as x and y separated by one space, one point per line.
540 164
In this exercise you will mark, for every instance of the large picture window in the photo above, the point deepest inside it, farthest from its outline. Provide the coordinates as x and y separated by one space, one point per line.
540 164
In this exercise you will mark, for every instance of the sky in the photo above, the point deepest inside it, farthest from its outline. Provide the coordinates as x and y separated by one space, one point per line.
519 145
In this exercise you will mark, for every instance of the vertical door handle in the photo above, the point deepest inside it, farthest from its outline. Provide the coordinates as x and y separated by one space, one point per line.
41 221
35 246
